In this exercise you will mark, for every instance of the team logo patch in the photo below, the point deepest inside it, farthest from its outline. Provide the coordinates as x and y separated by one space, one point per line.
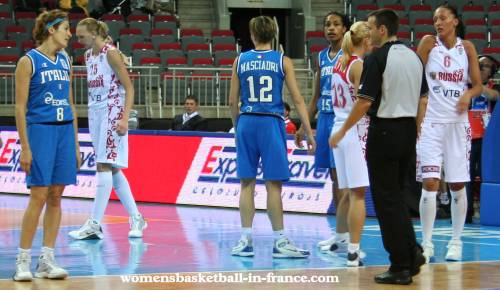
427 169
44 64
433 75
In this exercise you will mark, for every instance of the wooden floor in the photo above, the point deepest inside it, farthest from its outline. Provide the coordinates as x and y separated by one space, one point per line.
452 276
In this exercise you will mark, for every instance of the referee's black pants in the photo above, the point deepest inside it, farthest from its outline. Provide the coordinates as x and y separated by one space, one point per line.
389 150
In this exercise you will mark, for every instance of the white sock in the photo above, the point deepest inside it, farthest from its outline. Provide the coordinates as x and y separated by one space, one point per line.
246 233
47 251
427 213
278 234
24 251
122 189
104 186
353 248
342 237
458 212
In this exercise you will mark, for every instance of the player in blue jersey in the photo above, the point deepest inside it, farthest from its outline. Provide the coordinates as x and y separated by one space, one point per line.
258 75
47 125
334 25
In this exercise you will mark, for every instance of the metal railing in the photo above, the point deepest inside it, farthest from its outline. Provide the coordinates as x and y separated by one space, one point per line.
157 90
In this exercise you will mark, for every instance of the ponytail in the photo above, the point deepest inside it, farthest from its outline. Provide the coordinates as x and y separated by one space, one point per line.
353 38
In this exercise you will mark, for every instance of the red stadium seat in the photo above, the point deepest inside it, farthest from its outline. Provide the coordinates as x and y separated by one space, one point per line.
222 33
202 61
161 31
169 46
150 61
191 32
311 34
224 46
138 46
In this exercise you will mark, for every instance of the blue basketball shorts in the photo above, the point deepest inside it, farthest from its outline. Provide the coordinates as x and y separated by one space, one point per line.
323 157
261 137
53 153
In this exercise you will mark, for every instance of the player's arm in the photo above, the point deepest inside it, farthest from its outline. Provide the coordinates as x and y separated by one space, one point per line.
75 118
23 77
491 93
234 95
115 60
359 108
312 109
424 48
475 78
298 100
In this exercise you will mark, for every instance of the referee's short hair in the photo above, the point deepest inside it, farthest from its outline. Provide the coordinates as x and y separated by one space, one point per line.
387 17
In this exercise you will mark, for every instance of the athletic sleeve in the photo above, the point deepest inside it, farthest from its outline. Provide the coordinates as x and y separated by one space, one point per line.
371 79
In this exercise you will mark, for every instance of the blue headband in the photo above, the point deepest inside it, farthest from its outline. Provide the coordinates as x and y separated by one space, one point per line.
54 22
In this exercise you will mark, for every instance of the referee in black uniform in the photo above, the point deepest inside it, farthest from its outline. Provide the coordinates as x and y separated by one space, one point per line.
391 86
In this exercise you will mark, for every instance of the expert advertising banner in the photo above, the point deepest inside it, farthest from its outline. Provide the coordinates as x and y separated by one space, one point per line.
193 169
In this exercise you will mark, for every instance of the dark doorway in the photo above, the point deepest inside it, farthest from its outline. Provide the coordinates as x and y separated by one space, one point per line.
241 16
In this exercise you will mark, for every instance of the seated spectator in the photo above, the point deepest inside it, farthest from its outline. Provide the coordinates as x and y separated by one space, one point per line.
74 6
191 119
290 128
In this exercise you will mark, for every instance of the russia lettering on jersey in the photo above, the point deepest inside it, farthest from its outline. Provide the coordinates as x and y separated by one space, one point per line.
342 90
447 74
48 99
104 86
261 78
326 65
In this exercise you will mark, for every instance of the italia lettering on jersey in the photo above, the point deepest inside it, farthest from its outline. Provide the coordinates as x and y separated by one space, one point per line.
104 86
447 73
261 76
342 90
48 97
326 65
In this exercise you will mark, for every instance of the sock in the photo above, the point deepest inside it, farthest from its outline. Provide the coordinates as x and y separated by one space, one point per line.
278 234
24 251
104 185
47 251
122 189
342 238
427 213
458 212
353 248
246 233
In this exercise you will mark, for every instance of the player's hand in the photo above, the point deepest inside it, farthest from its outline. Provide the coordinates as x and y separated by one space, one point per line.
463 103
122 127
26 160
336 138
299 137
311 144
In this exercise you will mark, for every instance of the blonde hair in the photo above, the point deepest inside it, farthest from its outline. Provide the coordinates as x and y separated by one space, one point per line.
263 29
101 29
44 21
353 38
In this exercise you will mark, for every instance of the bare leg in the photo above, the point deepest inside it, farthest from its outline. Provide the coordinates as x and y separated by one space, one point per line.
52 217
274 204
29 225
247 204
357 214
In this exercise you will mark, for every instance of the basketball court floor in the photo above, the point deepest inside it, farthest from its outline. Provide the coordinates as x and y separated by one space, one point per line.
192 242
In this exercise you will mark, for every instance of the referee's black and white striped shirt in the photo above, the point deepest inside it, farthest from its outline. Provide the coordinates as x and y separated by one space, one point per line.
393 79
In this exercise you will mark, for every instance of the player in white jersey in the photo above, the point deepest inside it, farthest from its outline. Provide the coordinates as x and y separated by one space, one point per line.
349 156
445 136
111 96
